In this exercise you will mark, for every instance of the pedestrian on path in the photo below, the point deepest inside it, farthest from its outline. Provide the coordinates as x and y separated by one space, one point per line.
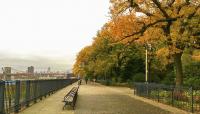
94 80
79 82
86 80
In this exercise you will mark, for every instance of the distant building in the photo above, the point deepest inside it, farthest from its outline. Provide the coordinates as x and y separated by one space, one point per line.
7 73
31 70
49 70
7 70
70 75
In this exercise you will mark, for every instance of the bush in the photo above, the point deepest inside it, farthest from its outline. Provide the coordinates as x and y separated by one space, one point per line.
108 82
169 79
155 79
193 81
192 74
139 77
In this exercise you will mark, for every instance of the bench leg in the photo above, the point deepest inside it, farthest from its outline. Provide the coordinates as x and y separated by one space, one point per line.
64 106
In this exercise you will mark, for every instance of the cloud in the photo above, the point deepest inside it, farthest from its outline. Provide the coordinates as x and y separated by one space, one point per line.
46 33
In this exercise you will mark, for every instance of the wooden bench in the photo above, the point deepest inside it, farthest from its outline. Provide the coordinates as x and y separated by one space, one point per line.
70 98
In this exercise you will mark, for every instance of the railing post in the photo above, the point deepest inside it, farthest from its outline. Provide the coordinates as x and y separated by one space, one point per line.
147 90
35 91
172 96
27 93
17 97
41 83
2 90
158 95
192 100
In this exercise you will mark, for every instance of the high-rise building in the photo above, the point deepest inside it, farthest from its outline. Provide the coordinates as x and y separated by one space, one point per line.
7 70
7 73
31 70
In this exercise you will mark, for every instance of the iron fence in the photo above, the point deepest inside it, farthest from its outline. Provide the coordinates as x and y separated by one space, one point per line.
15 95
186 98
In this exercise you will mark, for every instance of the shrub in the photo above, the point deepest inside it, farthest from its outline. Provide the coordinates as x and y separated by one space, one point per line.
139 77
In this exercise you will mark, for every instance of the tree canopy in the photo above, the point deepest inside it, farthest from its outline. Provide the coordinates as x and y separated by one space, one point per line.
169 26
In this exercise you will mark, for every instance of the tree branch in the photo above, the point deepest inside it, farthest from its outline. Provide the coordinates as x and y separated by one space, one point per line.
181 6
138 9
193 13
171 2
145 27
160 8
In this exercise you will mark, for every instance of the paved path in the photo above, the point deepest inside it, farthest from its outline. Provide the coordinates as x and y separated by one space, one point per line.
98 99
51 105
95 99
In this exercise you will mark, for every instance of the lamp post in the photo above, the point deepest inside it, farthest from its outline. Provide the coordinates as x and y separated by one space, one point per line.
148 48
146 65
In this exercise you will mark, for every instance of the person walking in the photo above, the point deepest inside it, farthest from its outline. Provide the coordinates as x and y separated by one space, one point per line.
86 80
79 82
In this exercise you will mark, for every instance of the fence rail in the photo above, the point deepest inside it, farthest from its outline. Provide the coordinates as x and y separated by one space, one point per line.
15 95
186 98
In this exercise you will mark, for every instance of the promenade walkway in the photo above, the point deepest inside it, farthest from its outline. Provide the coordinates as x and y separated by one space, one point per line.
95 99
50 105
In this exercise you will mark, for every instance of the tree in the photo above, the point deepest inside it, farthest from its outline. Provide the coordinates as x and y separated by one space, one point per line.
81 60
106 59
175 23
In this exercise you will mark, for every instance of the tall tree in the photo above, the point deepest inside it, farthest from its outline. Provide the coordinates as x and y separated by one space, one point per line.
175 22
81 60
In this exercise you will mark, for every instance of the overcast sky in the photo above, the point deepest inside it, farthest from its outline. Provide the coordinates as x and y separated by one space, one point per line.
48 32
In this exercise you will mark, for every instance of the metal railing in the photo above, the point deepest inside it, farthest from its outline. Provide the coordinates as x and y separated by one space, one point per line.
186 98
16 95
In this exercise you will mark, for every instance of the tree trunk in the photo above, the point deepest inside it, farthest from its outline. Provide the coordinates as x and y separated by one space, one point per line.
179 69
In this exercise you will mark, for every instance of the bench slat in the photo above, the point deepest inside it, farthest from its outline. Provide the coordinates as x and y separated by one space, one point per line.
71 97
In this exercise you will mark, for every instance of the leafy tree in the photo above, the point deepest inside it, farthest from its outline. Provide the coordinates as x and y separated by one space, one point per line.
81 61
108 60
170 26
172 23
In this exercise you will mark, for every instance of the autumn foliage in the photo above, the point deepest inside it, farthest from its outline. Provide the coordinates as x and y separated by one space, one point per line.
169 26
